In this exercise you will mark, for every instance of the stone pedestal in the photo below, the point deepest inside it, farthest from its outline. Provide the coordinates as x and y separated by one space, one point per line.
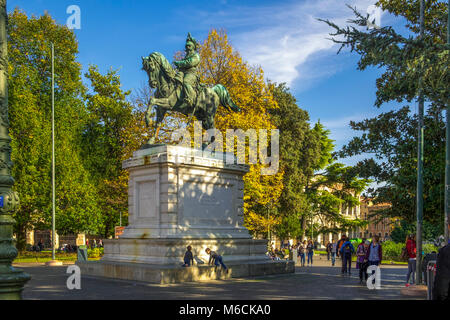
179 197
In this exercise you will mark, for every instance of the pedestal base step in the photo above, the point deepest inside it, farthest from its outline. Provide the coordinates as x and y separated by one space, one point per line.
165 274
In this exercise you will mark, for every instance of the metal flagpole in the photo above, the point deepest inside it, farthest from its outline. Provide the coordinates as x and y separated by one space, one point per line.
53 263
420 148
53 153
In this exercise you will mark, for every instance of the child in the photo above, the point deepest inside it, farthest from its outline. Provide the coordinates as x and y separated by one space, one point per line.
188 257
217 259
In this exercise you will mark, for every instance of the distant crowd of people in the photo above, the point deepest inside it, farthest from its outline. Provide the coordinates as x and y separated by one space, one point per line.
67 247
367 252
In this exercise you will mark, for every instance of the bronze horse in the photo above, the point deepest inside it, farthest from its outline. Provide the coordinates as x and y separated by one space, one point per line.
169 95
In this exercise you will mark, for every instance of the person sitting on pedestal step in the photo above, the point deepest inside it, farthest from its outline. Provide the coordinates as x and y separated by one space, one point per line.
188 257
216 258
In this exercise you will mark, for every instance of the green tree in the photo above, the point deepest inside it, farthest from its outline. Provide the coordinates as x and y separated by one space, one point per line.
330 194
29 43
390 138
301 151
113 131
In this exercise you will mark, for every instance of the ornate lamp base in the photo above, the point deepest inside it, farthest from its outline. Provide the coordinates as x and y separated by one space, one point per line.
12 282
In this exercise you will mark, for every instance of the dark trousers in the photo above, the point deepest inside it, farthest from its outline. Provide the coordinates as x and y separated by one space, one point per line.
363 271
219 262
346 260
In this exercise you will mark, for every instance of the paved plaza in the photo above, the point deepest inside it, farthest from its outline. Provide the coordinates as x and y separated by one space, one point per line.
321 281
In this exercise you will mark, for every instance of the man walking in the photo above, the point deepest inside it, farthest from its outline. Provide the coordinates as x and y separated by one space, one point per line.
339 245
347 250
333 253
329 245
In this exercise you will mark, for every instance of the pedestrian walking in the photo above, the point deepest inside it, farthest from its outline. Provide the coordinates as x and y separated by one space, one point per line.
411 251
329 245
361 261
333 253
374 253
301 254
310 252
339 244
215 258
188 257
346 251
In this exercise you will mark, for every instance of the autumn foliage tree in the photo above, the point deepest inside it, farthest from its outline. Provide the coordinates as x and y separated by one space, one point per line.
222 64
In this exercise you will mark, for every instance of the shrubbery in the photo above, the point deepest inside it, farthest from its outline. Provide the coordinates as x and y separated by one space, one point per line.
393 251
95 253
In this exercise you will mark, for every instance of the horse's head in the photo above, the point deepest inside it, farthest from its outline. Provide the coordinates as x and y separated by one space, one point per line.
160 73
149 65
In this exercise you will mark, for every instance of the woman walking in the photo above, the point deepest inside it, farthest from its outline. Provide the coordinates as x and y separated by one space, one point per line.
411 249
374 253
310 250
301 253
361 261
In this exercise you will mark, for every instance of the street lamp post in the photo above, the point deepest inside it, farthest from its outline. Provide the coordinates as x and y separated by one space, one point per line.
11 280
447 152
419 195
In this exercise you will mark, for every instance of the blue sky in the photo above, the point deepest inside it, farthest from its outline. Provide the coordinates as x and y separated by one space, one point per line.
283 37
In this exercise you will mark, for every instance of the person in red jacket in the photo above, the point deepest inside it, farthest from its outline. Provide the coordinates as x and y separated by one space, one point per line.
411 249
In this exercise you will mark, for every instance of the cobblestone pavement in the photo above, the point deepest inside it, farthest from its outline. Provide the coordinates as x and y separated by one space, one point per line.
321 281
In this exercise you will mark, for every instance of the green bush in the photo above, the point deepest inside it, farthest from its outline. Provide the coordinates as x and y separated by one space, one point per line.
95 253
392 251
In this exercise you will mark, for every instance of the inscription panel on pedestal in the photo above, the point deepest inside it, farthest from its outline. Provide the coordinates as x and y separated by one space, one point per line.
146 199
208 202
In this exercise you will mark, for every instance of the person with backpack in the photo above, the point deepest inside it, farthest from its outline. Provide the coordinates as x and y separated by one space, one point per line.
346 251
310 251
361 261
301 254
411 252
340 243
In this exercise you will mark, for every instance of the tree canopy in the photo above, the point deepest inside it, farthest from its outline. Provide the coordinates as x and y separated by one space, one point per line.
390 138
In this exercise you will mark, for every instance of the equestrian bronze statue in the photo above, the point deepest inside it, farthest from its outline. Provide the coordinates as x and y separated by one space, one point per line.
181 91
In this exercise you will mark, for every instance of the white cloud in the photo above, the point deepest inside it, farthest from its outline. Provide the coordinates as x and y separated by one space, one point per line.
285 39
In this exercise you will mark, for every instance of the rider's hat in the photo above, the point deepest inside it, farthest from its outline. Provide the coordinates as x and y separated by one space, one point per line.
192 40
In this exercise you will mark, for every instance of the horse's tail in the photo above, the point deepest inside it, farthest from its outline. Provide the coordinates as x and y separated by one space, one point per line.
225 99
